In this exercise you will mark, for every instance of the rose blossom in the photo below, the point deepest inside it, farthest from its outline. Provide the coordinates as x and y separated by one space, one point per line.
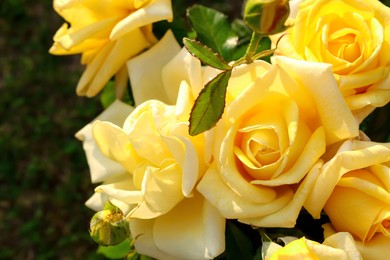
276 125
353 36
353 188
107 34
160 164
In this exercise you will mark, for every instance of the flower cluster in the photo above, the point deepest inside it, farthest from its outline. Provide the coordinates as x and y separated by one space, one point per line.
221 143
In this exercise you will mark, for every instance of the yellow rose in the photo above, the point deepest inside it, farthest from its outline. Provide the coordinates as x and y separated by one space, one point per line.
277 123
353 188
157 167
163 164
337 246
353 36
376 248
106 33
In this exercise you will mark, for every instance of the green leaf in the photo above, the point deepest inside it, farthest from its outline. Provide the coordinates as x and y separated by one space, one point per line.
205 54
238 244
258 255
213 29
209 105
116 252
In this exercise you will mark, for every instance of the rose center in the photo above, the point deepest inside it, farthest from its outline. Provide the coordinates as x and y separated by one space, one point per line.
344 46
261 146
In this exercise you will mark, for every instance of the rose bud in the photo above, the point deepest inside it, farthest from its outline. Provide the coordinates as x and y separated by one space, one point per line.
109 227
266 16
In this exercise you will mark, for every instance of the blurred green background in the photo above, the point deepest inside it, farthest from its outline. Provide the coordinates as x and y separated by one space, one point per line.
44 177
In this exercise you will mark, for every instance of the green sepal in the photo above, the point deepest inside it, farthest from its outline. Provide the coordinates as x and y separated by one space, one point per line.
266 16
118 251
109 227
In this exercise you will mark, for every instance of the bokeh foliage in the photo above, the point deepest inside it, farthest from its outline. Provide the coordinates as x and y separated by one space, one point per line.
44 178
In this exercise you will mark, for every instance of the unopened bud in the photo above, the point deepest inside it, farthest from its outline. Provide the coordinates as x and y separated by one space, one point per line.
266 16
109 227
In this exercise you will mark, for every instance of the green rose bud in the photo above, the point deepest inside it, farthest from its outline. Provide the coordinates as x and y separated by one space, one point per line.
109 227
266 16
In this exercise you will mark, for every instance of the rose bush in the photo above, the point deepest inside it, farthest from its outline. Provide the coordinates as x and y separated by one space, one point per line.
277 123
337 246
353 36
353 188
107 34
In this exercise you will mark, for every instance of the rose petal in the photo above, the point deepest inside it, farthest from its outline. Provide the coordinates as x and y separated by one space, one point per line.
156 10
118 55
185 67
145 71
192 230
100 166
259 202
337 120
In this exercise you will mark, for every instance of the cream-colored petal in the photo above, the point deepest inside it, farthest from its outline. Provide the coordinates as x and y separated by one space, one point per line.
142 231
185 67
232 205
123 190
338 121
186 156
192 230
102 167
115 144
145 71
96 201
145 137
162 189
243 76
